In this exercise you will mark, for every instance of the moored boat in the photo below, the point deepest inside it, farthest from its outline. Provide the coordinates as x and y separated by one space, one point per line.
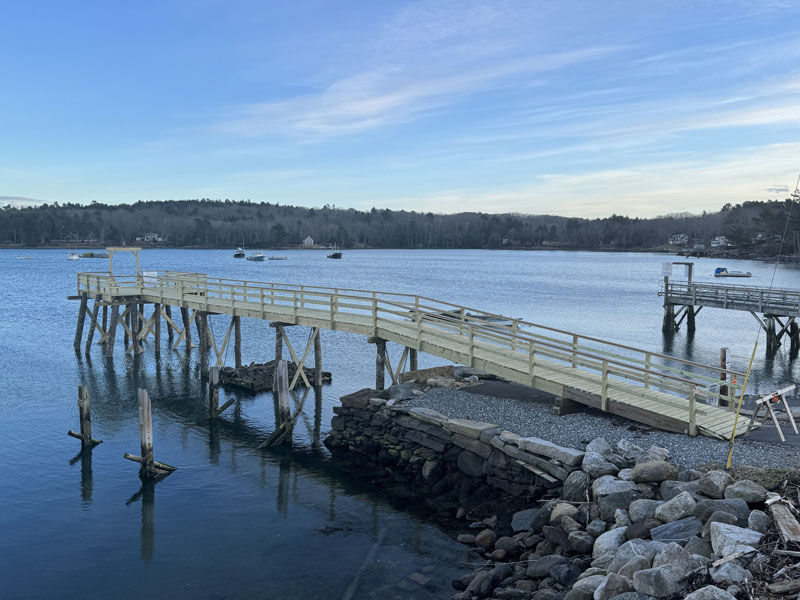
335 252
723 272
257 256
239 253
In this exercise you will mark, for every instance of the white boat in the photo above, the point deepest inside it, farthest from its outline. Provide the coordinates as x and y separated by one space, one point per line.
257 256
723 272
72 255
239 253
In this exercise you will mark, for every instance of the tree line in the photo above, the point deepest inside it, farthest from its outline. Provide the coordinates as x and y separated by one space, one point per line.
226 223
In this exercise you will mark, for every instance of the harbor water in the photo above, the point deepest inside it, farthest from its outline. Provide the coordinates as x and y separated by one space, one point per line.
238 522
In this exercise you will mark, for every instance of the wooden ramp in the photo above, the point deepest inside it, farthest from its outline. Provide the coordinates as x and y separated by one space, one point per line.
654 389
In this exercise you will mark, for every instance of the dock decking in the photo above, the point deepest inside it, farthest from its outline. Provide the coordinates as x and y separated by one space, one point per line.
647 387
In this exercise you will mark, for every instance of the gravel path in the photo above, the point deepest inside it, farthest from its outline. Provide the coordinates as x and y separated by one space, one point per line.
535 418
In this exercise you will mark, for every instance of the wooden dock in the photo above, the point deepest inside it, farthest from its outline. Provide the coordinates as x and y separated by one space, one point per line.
651 388
779 307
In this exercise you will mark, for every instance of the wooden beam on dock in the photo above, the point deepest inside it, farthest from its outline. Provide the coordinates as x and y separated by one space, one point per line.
81 318
112 330
237 341
92 325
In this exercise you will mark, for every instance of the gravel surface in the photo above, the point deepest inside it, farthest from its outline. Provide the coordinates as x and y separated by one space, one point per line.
530 417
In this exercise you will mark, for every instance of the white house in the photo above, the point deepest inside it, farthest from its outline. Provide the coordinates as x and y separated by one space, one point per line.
719 242
678 239
309 241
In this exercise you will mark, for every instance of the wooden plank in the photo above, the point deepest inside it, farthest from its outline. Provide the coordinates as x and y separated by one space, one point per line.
787 524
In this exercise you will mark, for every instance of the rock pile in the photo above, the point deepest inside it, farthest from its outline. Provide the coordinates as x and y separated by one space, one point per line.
628 525
257 377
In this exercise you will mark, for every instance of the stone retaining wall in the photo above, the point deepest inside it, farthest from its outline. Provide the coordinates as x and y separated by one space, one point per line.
448 457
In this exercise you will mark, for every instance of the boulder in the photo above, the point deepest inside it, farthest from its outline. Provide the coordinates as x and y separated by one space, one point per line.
470 463
679 507
611 503
641 529
728 539
735 506
486 539
568 456
659 581
718 516
608 484
597 527
730 573
677 558
633 548
698 546
582 542
600 446
466 538
669 489
540 567
621 518
542 515
509 545
576 487
643 508
625 474
654 472
613 586
561 510
713 483
759 521
608 542
547 594
565 574
689 475
596 465
678 531
710 592
637 563
568 524
521 520
747 490
584 588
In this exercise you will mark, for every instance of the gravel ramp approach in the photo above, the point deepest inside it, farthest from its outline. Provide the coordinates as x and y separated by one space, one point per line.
534 417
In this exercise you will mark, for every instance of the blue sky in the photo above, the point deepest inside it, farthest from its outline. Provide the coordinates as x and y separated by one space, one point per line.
573 108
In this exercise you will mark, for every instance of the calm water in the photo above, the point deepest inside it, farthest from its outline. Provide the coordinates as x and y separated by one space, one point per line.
237 522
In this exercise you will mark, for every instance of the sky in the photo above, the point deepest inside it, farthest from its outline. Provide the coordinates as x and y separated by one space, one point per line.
571 108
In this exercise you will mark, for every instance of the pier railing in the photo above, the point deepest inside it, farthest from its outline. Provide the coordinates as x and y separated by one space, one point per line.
469 334
738 297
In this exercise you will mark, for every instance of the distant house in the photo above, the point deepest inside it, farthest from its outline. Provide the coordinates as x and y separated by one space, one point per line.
719 242
151 238
309 241
699 247
678 239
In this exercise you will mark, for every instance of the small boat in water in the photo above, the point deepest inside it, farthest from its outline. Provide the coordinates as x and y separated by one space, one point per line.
277 258
72 255
257 256
239 253
335 252
723 272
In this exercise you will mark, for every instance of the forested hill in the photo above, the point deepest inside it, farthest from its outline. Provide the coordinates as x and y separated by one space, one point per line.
218 223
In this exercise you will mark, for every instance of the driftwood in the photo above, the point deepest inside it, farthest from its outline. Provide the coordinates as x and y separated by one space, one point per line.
787 524
785 587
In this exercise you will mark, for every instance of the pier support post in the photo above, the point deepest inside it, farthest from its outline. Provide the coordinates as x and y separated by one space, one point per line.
412 359
772 337
278 342
380 364
157 326
317 359
168 312
213 393
112 330
690 319
794 337
187 327
127 338
105 317
668 325
237 341
202 324
280 385
92 325
81 318
135 326
85 436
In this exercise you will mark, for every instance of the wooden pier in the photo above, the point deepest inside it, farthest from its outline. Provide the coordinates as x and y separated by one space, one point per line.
780 307
658 390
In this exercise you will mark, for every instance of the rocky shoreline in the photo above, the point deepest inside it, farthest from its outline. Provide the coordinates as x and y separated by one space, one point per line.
549 522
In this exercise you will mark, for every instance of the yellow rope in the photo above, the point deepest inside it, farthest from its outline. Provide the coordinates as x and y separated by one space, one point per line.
739 408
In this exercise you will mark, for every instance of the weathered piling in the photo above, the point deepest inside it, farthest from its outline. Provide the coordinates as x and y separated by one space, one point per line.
412 359
317 359
380 363
85 436
92 325
187 329
81 318
168 312
213 393
149 467
112 330
279 333
157 326
237 341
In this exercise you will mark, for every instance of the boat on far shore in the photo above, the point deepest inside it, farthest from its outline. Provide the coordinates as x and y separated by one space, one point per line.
723 272
335 252
239 253
256 256
72 255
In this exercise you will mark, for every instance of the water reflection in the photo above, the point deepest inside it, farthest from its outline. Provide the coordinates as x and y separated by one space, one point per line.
87 483
147 531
